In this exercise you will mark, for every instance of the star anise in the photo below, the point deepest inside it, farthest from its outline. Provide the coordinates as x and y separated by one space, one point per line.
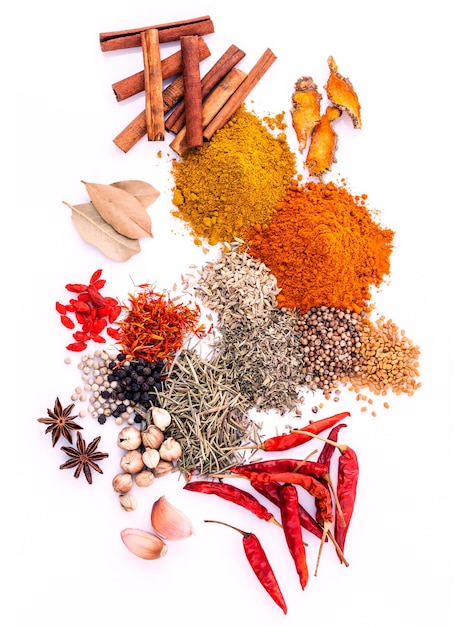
84 457
60 422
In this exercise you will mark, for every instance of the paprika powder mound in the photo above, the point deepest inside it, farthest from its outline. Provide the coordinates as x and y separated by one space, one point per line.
323 247
234 181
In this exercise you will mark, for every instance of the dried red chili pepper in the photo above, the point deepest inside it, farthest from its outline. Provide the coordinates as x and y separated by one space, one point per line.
233 494
271 492
328 449
295 438
260 565
348 474
283 465
67 322
289 506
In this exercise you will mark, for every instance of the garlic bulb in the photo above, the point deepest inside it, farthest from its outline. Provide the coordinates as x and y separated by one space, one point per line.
168 521
170 450
128 502
132 462
162 468
144 478
161 417
152 437
122 483
143 544
129 438
151 458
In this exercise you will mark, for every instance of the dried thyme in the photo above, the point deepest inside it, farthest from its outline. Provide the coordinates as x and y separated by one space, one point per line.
209 413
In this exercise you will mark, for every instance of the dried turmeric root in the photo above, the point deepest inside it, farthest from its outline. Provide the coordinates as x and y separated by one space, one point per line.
323 144
341 93
305 109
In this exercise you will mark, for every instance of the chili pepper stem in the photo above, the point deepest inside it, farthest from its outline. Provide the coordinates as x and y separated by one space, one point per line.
341 446
297 468
214 521
338 549
335 496
326 528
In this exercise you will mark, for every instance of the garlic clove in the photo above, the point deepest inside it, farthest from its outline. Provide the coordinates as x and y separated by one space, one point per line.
168 521
161 417
143 544
170 450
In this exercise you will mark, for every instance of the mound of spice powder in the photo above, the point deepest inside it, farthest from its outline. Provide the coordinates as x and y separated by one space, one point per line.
324 248
233 182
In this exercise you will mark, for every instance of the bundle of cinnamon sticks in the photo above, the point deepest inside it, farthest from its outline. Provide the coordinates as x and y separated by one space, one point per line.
192 106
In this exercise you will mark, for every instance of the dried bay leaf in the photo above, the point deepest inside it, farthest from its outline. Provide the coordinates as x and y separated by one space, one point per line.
145 193
120 209
93 229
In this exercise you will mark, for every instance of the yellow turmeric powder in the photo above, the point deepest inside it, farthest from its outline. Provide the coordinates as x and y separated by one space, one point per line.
324 248
233 182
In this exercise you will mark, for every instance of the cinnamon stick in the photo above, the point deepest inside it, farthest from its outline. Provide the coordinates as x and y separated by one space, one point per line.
137 129
192 90
211 105
237 99
154 118
171 65
173 31
176 120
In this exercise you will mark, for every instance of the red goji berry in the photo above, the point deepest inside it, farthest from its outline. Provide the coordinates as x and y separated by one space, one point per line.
110 301
78 305
81 336
114 333
60 308
99 284
95 276
83 297
76 347
114 313
67 322
97 338
70 308
87 325
103 311
81 317
76 287
95 296
98 325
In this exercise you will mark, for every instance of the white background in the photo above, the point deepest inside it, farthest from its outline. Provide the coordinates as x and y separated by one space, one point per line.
406 61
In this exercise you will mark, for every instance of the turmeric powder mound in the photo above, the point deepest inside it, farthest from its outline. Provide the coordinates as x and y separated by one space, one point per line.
324 248
233 182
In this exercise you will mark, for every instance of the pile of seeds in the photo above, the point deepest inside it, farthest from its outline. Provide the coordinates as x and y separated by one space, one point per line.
209 413
388 359
258 341
331 346
115 386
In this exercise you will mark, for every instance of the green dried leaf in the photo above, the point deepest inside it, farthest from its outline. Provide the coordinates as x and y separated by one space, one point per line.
145 193
120 209
93 229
